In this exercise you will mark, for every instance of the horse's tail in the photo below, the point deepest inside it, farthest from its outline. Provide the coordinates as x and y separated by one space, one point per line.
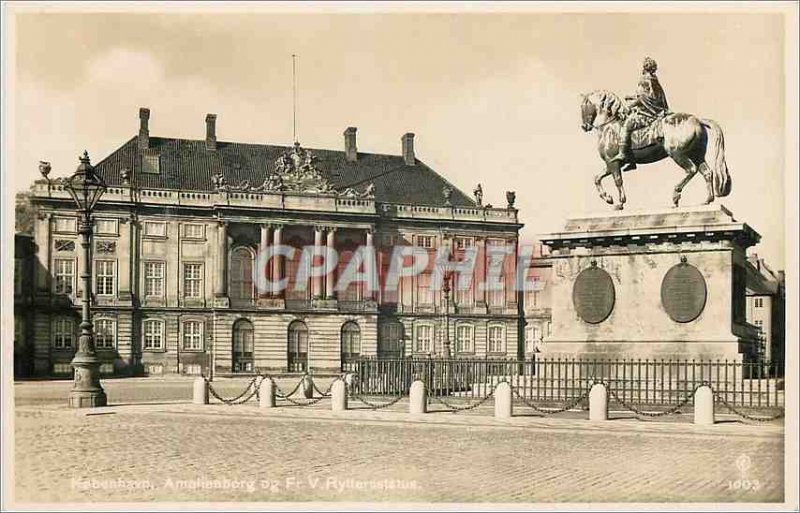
715 157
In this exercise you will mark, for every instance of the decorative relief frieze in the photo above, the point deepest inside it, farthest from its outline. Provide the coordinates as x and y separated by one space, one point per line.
64 245
106 246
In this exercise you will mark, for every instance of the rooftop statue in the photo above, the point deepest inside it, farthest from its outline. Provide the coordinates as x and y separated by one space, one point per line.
641 130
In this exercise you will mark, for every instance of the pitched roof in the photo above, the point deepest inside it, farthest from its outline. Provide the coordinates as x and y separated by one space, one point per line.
186 164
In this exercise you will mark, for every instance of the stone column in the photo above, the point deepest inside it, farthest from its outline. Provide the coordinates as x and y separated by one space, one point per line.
221 283
481 294
330 293
316 283
369 266
277 232
262 247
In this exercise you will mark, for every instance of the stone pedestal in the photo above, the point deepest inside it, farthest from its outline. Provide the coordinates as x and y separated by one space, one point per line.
655 284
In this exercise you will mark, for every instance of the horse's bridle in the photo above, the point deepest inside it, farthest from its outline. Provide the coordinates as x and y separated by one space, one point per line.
606 122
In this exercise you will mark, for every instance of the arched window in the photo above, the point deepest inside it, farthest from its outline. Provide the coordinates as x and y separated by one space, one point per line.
390 340
351 342
297 347
242 359
241 273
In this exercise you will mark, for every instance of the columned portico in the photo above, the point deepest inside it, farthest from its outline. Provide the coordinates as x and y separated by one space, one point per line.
264 244
277 240
221 278
369 266
316 284
330 293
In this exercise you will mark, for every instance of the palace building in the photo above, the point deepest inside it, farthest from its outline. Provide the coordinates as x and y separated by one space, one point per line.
178 234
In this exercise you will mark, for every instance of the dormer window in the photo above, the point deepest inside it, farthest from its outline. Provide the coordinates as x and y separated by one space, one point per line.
150 164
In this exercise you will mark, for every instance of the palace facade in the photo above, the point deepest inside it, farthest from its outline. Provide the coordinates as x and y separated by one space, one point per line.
178 233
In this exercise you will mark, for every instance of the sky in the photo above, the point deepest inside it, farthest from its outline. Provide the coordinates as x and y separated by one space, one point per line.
493 98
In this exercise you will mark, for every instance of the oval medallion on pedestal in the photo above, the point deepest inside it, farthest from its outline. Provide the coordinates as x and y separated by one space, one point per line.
683 293
593 295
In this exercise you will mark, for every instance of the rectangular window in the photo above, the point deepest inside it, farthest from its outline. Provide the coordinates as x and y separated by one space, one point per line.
530 340
62 368
105 333
106 227
424 339
153 335
192 280
496 340
424 292
104 276
63 333
154 279
462 243
425 241
66 224
759 302
155 229
150 164
497 297
193 231
465 339
64 276
18 276
192 336
760 325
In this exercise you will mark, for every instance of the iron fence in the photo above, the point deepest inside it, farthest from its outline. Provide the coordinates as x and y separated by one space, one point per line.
642 381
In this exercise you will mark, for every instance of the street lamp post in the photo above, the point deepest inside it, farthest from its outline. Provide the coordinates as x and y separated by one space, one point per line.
86 187
448 275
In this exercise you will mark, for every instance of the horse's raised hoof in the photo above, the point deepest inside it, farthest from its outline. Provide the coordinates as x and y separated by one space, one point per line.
608 199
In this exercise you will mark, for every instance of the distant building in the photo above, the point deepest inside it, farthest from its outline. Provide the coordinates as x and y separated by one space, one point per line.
23 302
536 300
176 239
766 308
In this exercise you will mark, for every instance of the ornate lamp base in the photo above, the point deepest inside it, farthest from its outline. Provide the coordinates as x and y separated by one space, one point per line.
87 398
86 391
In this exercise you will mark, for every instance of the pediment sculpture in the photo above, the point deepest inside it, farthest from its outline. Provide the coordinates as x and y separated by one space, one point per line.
351 192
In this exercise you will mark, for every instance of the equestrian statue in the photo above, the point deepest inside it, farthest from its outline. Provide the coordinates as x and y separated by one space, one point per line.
642 130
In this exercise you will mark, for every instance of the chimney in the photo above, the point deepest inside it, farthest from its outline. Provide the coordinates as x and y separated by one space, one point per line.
211 131
408 149
350 150
144 130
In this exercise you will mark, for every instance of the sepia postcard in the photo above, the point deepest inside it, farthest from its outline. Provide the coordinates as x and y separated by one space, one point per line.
400 256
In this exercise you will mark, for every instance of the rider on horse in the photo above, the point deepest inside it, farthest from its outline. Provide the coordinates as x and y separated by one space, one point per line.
649 103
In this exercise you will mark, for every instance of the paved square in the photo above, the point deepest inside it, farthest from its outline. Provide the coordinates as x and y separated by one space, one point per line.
240 453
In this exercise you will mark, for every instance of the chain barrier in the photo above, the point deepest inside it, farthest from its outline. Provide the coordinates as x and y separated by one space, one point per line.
279 393
254 385
457 409
320 392
309 402
376 406
745 415
637 411
239 399
548 411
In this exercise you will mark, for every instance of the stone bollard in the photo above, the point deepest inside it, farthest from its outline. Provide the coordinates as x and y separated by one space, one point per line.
308 386
598 402
503 405
417 398
704 406
266 394
200 391
339 396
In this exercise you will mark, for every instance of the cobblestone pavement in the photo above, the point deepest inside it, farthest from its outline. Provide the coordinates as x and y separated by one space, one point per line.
181 452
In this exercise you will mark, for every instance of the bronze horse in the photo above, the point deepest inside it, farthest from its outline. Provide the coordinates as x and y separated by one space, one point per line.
694 144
